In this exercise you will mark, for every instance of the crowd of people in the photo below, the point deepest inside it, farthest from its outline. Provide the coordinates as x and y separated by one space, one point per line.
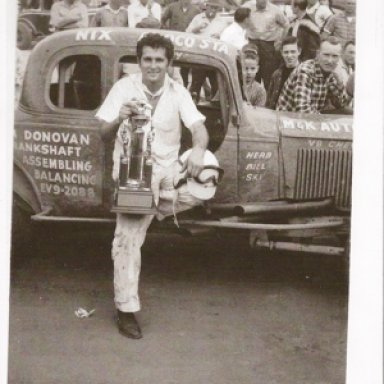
298 57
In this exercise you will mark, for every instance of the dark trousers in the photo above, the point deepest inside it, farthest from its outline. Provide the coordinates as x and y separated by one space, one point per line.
198 78
184 72
269 60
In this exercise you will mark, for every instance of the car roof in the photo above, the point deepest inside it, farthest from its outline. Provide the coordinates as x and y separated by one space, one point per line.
183 42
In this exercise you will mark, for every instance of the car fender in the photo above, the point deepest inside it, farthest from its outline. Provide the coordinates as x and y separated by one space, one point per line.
25 189
23 20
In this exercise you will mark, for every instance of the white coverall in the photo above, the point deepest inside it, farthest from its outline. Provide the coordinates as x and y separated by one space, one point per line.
175 105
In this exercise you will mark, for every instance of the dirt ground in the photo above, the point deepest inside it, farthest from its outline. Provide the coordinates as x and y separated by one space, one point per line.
213 312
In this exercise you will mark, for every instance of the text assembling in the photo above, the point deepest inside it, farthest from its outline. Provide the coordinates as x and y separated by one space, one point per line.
57 162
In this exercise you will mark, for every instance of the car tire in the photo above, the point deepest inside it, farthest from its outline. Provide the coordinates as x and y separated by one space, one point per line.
24 36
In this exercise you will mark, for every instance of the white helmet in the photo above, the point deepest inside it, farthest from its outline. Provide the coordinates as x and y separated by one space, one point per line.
203 186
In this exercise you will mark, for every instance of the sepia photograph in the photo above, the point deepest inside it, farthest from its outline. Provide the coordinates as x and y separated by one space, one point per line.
189 197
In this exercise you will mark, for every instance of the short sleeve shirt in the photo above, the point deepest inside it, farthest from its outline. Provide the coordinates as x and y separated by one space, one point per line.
213 28
108 17
61 10
138 11
319 14
267 24
174 107
342 27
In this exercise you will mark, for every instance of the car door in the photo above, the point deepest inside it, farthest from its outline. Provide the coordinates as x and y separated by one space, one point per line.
60 146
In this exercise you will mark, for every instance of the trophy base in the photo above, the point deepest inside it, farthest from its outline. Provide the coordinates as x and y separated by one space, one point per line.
138 202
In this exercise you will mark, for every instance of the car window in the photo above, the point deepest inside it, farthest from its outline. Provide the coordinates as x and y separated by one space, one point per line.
76 83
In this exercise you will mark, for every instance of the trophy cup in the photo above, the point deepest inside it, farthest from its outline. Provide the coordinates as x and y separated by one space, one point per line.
133 193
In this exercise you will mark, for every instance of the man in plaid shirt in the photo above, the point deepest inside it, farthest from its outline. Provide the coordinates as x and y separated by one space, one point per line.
314 84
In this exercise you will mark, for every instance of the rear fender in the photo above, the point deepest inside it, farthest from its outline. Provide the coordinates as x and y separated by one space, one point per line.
29 24
25 189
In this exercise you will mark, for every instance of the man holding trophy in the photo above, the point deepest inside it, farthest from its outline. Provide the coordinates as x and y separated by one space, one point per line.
158 105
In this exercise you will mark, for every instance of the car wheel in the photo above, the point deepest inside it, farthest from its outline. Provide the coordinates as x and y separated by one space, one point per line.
24 36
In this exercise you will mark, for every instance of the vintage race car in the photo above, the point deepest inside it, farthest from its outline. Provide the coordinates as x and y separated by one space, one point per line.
287 177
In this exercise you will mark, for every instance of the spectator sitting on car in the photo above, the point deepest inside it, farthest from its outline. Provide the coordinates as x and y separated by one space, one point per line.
306 31
314 84
68 14
147 11
235 33
290 51
111 15
254 92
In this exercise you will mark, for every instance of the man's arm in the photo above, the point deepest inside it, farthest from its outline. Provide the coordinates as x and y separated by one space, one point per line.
195 161
196 25
302 94
96 22
329 27
58 21
337 92
109 129
271 102
83 22
156 11
131 16
166 15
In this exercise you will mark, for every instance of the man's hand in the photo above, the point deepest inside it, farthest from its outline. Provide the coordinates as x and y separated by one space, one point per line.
201 26
132 107
194 163
338 79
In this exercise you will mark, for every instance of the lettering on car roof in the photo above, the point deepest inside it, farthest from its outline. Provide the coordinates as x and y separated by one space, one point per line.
93 35
182 41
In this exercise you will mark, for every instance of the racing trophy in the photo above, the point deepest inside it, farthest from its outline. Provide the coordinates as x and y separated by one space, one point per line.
133 193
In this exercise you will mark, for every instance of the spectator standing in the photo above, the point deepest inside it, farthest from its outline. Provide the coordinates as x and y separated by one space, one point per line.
268 25
314 83
319 13
68 14
290 51
177 16
235 33
209 24
346 65
111 15
343 24
305 30
141 10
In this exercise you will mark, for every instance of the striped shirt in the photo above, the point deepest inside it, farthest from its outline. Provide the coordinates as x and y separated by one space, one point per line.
309 90
342 27
108 17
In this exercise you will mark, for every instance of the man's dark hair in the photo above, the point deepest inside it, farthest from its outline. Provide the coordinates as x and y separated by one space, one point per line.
290 40
348 43
241 14
331 40
155 41
301 4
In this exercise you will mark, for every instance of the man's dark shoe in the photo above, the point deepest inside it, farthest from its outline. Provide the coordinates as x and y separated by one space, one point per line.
128 325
